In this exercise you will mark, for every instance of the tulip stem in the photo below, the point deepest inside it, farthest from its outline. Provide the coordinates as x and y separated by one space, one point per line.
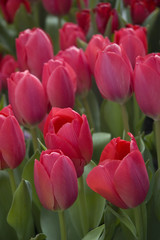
12 180
83 207
157 133
62 225
34 138
125 120
88 112
140 214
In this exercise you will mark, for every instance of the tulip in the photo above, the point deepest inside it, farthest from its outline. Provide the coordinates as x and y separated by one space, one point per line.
83 19
8 65
55 180
29 47
95 45
12 144
57 7
27 97
69 34
121 176
147 84
78 61
60 83
10 7
66 130
133 40
113 74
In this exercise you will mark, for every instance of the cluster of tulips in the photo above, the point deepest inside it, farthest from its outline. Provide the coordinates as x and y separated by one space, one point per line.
79 120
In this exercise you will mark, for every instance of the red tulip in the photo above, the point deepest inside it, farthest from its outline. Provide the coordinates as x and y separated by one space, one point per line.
133 40
57 7
55 180
83 19
66 130
121 176
113 74
10 7
95 45
147 84
12 144
69 34
78 61
27 97
29 47
60 83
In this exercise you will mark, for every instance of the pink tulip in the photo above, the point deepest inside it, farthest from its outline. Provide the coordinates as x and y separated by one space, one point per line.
95 45
57 7
133 40
55 180
113 74
27 97
121 176
34 48
147 84
60 83
12 144
66 130
69 34
78 61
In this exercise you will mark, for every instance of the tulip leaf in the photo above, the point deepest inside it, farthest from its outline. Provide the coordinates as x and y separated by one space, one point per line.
156 194
95 233
40 236
93 3
111 223
20 213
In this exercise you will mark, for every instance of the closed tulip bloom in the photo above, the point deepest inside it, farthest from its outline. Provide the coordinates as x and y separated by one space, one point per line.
27 97
57 7
12 144
83 18
113 74
55 180
147 84
29 47
133 40
121 176
66 130
95 45
69 34
78 61
60 83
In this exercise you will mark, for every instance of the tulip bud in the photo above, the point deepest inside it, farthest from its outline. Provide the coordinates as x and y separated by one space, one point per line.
113 74
66 130
69 34
57 7
12 144
29 47
83 19
121 175
27 97
55 180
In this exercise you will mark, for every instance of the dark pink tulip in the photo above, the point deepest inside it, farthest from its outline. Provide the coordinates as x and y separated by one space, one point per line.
121 176
133 40
66 130
60 83
113 74
69 34
8 65
83 19
57 7
34 48
27 97
95 45
78 61
55 180
12 144
147 84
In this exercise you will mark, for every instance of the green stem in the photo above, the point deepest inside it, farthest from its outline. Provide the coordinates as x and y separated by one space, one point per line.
157 133
125 120
12 180
140 214
88 111
34 138
83 207
62 225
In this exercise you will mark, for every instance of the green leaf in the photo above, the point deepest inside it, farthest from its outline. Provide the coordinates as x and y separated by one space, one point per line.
20 213
40 236
156 194
111 223
94 234
93 3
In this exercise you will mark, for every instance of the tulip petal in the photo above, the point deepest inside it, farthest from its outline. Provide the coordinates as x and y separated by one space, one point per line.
131 179
43 186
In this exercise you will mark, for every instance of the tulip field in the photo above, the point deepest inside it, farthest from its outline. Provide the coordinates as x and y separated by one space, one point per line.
80 119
